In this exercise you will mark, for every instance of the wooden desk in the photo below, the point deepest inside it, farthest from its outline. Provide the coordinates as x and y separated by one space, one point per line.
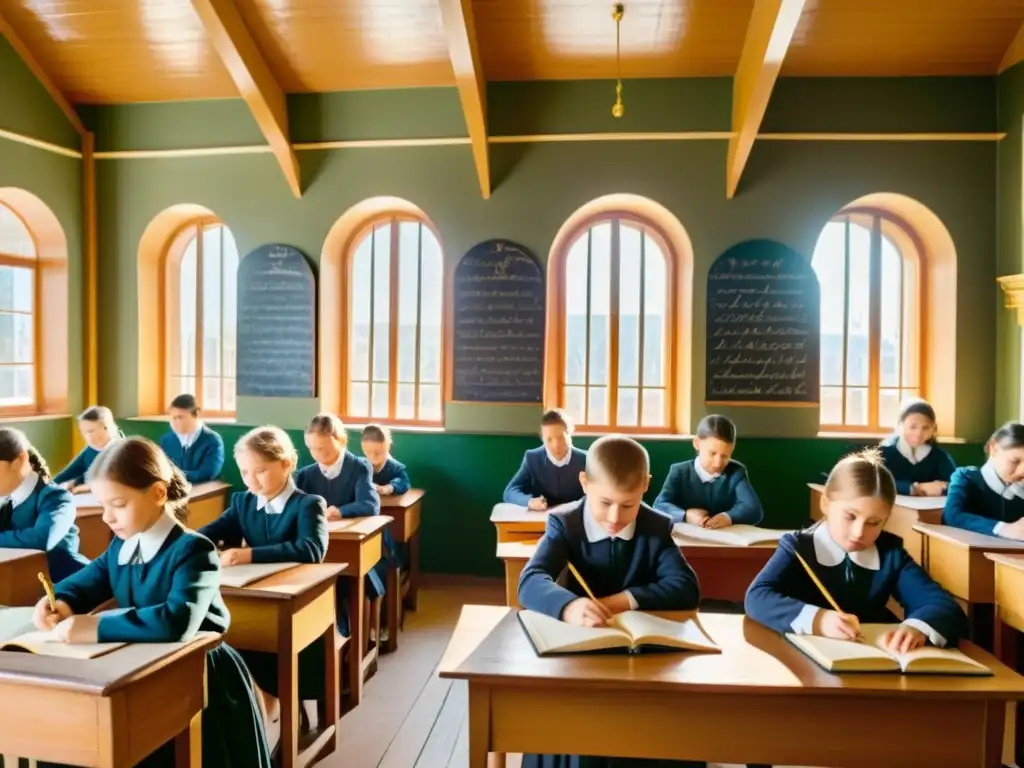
283 614
206 503
357 543
19 582
518 523
1008 623
514 554
739 705
113 711
956 559
908 512
405 510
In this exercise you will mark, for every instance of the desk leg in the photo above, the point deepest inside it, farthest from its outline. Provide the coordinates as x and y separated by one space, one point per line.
330 715
412 599
479 725
393 601
188 745
288 695
1006 649
356 596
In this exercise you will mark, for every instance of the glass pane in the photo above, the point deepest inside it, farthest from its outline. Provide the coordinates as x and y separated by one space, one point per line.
15 338
857 407
16 385
576 312
211 305
829 262
358 399
381 306
888 408
892 316
187 313
16 289
600 305
654 408
379 404
597 412
406 401
831 405
858 323
15 239
626 411
228 387
574 402
431 316
655 320
359 354
430 402
229 341
630 240
211 394
408 291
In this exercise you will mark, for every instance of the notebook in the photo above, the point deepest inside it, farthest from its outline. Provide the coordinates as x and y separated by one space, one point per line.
630 631
870 656
242 575
736 535
18 633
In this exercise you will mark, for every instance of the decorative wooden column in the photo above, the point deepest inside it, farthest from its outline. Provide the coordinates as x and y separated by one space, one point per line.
1013 287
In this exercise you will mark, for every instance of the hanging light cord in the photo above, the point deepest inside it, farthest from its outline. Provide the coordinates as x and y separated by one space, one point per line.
618 109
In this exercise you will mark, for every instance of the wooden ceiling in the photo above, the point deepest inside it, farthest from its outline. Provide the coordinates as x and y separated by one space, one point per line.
121 51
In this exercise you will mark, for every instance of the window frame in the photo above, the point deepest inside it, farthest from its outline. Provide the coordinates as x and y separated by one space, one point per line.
394 218
882 224
170 317
12 260
558 320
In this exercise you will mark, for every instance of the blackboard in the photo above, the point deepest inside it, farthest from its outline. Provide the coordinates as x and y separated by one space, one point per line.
276 324
763 333
498 355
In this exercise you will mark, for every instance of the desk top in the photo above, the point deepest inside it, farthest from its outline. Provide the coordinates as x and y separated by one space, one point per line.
10 555
510 513
754 660
103 675
969 539
407 499
918 503
516 550
523 550
358 528
1012 561
288 584
199 492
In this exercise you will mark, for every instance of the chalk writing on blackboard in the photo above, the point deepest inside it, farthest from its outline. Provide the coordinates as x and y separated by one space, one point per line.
763 333
498 354
276 324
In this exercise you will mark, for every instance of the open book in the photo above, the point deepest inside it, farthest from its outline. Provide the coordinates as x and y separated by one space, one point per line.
629 631
870 656
736 535
241 575
17 633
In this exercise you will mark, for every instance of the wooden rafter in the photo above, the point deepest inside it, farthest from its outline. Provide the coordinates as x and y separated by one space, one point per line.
769 33
253 78
1014 53
37 69
469 77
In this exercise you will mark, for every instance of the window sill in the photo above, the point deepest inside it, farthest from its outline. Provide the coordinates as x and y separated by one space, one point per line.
13 417
871 436
164 418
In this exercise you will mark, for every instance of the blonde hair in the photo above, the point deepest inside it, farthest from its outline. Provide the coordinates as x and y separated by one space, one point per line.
862 474
271 443
329 425
620 460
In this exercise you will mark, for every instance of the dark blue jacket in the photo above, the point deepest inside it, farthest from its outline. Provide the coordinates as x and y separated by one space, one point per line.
730 492
973 506
76 470
937 465
393 473
537 476
352 491
46 521
204 459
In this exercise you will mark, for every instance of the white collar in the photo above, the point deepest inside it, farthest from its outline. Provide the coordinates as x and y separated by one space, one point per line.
187 440
828 553
562 462
276 505
596 533
20 494
995 482
703 474
150 540
333 470
913 455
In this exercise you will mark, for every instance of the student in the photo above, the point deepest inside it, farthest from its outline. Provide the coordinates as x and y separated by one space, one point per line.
278 523
194 448
389 476
860 565
622 549
990 500
712 490
99 430
35 513
166 581
549 475
918 465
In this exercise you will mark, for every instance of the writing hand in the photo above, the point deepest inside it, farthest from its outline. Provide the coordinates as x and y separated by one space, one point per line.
45 618
333 513
697 517
721 520
538 504
584 612
903 639
840 626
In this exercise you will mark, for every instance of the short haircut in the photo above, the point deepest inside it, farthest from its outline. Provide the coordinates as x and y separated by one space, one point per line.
99 414
186 403
271 443
376 433
557 416
619 460
329 425
862 474
721 427
1010 435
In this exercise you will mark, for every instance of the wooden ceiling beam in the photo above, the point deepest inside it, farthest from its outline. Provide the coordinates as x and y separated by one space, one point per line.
253 78
1014 53
45 80
469 77
769 33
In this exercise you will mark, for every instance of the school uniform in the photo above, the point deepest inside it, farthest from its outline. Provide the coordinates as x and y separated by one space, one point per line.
166 582
978 500
541 474
347 484
641 559
690 486
200 454
290 528
916 465
39 515
784 598
78 467
392 473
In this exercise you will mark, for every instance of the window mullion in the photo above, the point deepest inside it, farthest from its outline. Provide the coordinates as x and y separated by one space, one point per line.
419 324
612 371
846 316
874 321
641 320
586 361
393 324
199 317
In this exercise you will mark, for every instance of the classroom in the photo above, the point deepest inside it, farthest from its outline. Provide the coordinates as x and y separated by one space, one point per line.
449 217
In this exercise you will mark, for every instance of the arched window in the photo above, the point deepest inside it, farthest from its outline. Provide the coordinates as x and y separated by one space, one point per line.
614 311
869 268
200 301
395 297
19 316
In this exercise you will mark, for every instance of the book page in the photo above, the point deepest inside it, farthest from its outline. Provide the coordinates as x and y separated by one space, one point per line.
563 507
15 621
927 659
241 575
554 636
647 629
47 644
736 535
844 655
